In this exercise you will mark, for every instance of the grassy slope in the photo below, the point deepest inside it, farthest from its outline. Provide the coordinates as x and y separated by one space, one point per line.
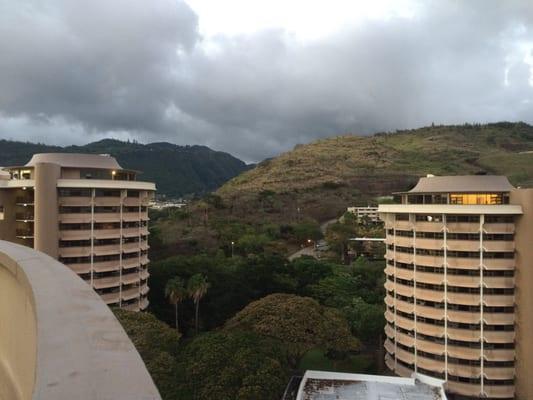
399 157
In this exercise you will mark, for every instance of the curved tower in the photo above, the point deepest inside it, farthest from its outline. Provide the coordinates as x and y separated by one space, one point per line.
90 214
450 284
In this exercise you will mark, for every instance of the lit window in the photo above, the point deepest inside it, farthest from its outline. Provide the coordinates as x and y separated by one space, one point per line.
476 198
1 213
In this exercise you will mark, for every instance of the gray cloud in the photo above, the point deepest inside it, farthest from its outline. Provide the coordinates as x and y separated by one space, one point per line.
136 69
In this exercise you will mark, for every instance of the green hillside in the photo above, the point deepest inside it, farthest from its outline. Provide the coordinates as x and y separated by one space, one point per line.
177 170
374 164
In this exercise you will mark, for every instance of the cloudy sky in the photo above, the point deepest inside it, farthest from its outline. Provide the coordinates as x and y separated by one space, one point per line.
254 77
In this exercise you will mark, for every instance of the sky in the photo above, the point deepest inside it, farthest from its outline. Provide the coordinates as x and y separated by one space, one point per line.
255 78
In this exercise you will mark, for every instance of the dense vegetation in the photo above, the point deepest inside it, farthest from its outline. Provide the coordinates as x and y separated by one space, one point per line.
322 178
250 317
177 170
262 319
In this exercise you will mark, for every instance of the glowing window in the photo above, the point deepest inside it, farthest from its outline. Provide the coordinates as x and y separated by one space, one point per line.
1 213
476 198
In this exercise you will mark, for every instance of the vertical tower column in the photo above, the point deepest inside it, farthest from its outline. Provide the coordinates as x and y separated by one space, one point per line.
46 208
482 352
445 266
412 219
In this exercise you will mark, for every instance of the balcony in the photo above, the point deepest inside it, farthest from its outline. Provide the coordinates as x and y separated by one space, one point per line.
54 349
467 335
496 300
499 228
79 234
498 245
426 226
463 280
109 281
406 258
430 312
500 391
405 307
131 293
107 201
463 262
499 354
430 329
501 282
429 277
499 372
499 336
106 233
499 263
498 318
463 245
430 295
466 299
130 262
82 251
465 371
106 266
432 261
107 217
403 241
403 225
129 278
430 347
465 317
75 201
131 232
430 364
75 218
465 389
430 244
131 216
462 227
106 250
464 353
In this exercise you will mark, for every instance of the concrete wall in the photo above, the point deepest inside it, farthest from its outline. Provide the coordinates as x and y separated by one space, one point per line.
524 294
46 208
18 333
58 339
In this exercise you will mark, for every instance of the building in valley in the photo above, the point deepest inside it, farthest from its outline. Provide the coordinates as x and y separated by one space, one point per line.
459 276
89 213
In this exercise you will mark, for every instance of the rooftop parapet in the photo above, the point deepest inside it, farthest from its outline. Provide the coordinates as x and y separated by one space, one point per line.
58 339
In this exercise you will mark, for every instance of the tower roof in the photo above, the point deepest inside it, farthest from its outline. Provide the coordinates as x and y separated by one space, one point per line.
462 184
76 160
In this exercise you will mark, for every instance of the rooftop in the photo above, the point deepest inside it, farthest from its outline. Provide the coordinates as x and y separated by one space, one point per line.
320 385
76 160
463 184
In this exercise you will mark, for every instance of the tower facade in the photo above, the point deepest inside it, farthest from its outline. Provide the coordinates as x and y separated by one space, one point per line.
458 262
87 212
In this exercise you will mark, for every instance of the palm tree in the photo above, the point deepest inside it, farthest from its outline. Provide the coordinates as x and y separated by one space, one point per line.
197 288
176 292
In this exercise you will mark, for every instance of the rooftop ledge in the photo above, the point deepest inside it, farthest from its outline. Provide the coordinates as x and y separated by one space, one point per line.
58 339
503 209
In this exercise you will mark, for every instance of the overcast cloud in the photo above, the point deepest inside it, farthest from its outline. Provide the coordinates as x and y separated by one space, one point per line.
74 72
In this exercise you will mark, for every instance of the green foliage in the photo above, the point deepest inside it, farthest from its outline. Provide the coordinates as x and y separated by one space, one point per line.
366 320
233 366
252 243
299 322
317 359
307 230
157 344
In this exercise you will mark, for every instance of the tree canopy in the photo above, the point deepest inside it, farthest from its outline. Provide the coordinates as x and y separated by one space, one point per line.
233 366
300 322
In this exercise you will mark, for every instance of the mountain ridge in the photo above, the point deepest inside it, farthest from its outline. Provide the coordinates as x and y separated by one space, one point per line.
177 170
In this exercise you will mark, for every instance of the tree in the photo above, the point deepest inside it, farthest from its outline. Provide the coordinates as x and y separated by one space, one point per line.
366 320
301 323
233 366
197 288
176 292
158 346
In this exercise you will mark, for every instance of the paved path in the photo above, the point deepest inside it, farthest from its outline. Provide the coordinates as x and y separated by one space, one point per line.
310 250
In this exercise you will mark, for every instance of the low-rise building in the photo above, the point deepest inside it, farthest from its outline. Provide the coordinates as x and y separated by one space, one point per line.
369 213
322 385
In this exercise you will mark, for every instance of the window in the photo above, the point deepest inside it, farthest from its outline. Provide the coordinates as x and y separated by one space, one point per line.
477 198
1 213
